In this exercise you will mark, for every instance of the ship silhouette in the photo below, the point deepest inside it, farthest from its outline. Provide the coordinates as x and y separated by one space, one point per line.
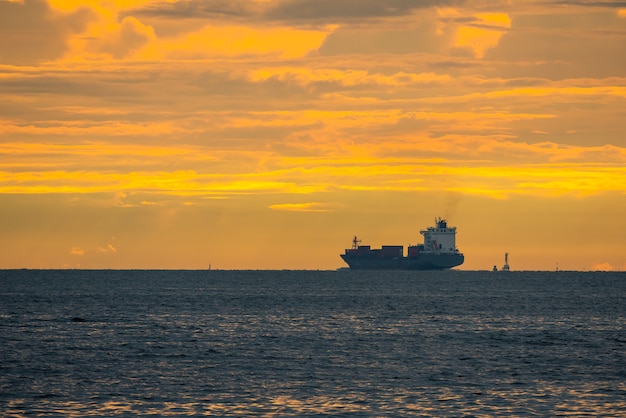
437 252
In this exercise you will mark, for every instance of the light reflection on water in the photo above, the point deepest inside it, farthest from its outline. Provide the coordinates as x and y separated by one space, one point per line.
310 343
552 401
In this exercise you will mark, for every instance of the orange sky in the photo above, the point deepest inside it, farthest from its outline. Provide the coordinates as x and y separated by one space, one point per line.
266 133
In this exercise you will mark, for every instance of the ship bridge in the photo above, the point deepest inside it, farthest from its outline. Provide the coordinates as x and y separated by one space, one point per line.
440 239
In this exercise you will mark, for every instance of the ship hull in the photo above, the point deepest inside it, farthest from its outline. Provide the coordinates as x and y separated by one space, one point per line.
421 262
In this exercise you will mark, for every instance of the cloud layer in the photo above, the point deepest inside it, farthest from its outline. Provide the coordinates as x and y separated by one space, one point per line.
297 104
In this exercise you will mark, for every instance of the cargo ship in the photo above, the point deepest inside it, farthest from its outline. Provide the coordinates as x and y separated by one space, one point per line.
438 252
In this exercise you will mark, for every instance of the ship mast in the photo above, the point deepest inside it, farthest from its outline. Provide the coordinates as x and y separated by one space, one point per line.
355 243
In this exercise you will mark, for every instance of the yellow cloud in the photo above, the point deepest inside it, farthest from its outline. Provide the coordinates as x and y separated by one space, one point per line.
117 5
86 128
618 91
602 267
60 156
483 33
372 165
349 78
232 41
303 207
121 36
131 36
108 249
479 40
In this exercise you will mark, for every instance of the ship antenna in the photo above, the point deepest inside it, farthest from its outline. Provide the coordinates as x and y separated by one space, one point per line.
355 243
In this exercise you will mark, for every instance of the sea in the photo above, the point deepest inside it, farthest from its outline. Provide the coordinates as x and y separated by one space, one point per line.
312 343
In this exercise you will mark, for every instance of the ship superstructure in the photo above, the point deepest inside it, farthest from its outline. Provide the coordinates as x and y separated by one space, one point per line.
437 252
439 239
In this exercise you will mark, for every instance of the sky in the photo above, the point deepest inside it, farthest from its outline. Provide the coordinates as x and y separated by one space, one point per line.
265 134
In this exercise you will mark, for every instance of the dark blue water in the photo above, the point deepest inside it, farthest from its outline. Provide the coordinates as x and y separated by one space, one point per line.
294 343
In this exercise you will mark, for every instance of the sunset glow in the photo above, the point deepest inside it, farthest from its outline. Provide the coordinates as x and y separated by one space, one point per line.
265 134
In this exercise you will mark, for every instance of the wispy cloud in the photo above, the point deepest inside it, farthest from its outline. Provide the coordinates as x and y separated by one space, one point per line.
304 207
107 249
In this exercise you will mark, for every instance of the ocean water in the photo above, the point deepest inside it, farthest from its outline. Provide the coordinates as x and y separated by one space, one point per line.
312 343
